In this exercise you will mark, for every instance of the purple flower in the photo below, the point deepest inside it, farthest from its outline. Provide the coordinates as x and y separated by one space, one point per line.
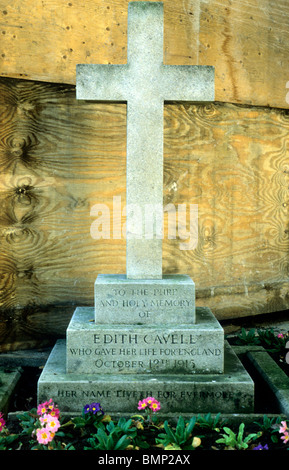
86 409
93 408
260 447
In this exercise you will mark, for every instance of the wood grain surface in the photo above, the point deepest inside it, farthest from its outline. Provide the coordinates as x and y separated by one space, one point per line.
59 157
246 41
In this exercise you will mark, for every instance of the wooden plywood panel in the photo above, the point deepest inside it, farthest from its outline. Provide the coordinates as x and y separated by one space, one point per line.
59 157
247 42
233 162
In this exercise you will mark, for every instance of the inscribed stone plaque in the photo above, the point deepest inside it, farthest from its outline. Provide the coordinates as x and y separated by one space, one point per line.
119 300
133 349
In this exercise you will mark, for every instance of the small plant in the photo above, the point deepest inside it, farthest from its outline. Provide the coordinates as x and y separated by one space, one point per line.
270 427
181 437
42 423
237 441
6 439
210 422
267 338
91 416
147 425
250 337
273 343
151 406
113 437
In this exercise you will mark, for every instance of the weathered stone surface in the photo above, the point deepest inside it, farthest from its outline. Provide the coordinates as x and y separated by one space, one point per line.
9 378
231 392
275 378
131 349
119 300
144 83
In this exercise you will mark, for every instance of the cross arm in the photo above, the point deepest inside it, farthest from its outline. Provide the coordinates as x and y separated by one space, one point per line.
101 82
188 83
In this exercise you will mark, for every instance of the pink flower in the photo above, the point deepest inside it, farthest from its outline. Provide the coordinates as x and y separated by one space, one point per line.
155 406
45 407
284 427
41 410
149 400
44 436
142 404
285 438
280 335
44 419
48 407
153 403
54 412
52 424
2 422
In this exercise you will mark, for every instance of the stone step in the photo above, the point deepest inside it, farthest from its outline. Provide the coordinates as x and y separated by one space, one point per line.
231 392
133 349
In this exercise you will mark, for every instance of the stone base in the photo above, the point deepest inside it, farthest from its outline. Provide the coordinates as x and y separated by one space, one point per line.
231 392
170 300
94 348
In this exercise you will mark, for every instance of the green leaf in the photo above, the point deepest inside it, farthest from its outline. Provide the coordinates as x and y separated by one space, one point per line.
124 424
110 442
241 432
102 438
110 427
180 430
190 427
122 443
170 434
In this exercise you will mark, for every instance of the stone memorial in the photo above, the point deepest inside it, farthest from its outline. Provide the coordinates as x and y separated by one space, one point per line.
144 336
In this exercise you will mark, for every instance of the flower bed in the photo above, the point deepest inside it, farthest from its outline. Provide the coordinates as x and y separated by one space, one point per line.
275 344
265 356
44 428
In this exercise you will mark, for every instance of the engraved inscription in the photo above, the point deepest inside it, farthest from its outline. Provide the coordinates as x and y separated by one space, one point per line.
145 301
140 394
147 352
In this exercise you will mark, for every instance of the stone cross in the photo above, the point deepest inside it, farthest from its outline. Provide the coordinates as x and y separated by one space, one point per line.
144 83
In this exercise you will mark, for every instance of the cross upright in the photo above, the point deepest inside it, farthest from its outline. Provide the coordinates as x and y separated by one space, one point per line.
144 83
